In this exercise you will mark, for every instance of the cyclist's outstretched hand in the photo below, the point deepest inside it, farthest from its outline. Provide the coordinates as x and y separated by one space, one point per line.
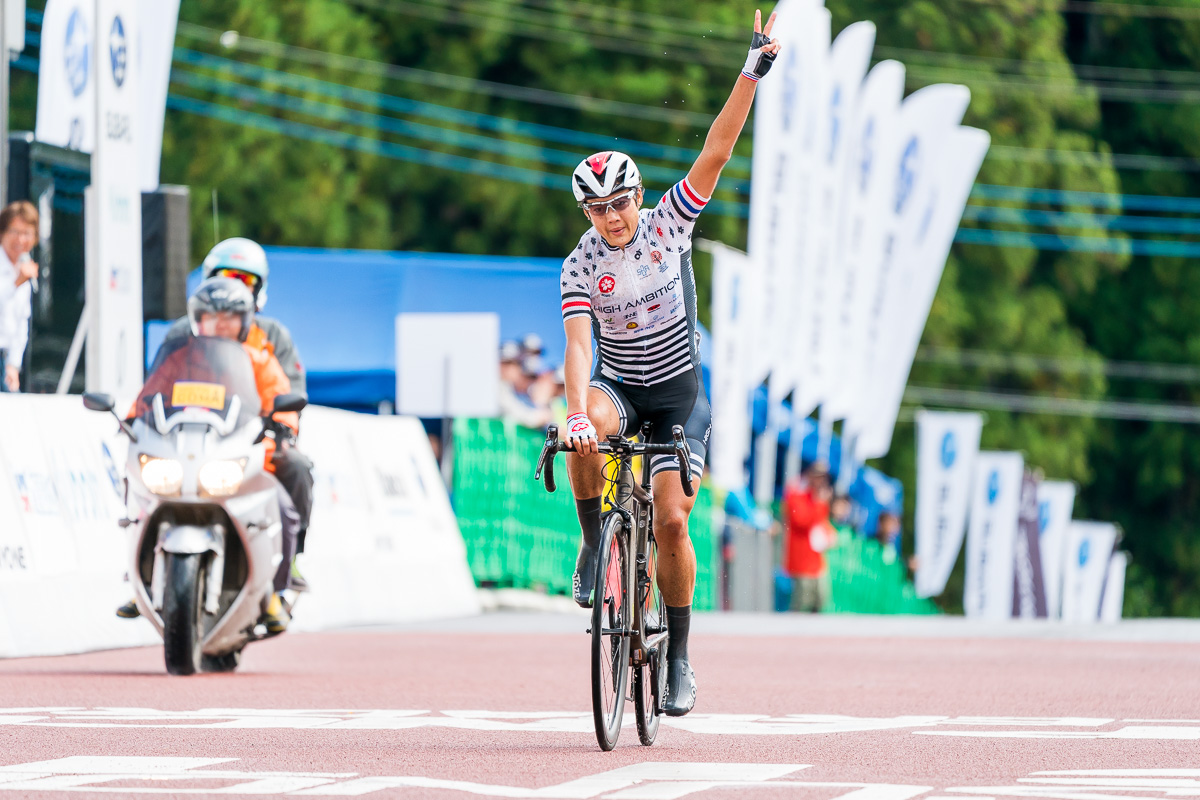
581 434
763 48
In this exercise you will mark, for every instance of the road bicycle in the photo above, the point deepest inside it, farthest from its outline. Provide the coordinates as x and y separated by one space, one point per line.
629 627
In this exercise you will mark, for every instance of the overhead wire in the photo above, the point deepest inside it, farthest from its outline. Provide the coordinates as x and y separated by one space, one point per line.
1143 411
443 80
1031 363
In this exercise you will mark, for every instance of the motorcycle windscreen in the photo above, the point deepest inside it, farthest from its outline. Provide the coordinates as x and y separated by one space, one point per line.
202 372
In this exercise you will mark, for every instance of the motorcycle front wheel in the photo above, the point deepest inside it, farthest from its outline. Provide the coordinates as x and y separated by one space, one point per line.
183 612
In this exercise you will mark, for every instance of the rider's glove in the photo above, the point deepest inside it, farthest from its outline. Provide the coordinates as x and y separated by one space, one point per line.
758 63
580 427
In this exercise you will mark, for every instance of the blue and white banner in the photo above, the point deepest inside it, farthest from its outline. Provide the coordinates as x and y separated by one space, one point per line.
819 344
1089 549
991 535
947 446
733 275
1113 602
859 252
1056 501
75 52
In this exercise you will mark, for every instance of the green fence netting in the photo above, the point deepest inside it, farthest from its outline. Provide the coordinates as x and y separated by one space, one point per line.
519 535
863 580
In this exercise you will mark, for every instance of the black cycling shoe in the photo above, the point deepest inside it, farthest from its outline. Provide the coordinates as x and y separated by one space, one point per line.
584 579
681 688
129 611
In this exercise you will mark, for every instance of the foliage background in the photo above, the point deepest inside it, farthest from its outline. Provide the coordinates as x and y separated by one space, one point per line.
1090 307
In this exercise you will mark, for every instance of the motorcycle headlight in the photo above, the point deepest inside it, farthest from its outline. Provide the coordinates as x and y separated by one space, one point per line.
162 475
221 478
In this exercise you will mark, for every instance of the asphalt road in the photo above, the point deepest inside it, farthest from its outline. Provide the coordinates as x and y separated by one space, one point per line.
813 709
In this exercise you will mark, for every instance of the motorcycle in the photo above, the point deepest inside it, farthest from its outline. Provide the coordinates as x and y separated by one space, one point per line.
205 511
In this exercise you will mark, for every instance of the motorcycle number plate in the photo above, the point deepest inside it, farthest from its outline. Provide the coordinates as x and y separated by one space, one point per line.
195 393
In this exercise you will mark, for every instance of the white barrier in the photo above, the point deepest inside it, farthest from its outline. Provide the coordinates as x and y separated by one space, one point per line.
383 546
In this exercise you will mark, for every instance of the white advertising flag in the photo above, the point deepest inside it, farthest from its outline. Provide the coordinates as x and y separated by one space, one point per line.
66 104
911 160
1089 549
114 230
860 249
921 248
74 55
730 387
992 535
1113 602
1056 500
947 445
849 57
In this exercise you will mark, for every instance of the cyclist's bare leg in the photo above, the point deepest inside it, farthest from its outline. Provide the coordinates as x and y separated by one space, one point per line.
587 483
676 557
677 581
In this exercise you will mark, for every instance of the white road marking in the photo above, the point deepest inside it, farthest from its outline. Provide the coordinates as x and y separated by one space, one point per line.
1095 784
998 727
647 781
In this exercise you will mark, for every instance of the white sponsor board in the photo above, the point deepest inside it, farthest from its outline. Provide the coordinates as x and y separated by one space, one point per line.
1056 501
383 547
947 445
651 780
992 533
114 230
1088 551
447 365
731 348
75 52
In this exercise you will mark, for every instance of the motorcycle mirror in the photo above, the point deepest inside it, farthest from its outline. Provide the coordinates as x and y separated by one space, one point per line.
98 401
289 402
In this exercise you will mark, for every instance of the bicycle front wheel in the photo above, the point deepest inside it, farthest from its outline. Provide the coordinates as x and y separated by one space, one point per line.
610 622
647 679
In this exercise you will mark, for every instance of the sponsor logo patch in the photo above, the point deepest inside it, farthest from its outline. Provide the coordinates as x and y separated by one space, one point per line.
607 283
631 325
656 256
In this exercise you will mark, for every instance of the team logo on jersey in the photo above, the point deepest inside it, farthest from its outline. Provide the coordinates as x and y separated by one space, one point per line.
656 256
607 283
630 326
654 308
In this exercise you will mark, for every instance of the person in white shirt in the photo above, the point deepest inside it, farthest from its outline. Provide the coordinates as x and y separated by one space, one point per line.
18 272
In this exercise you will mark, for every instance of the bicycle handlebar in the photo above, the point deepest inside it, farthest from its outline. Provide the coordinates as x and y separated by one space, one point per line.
621 446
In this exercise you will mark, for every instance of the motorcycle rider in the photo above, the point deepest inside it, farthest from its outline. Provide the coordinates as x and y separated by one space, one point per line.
244 260
225 307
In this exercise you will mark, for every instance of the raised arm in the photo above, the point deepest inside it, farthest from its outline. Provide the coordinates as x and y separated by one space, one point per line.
727 127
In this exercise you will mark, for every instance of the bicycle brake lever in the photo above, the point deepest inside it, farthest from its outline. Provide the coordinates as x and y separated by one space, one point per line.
683 453
546 461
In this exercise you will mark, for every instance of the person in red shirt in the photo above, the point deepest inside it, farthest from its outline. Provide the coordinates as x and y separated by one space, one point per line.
806 518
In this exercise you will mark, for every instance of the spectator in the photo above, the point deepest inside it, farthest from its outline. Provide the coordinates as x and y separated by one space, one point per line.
531 345
840 516
887 531
515 383
809 534
18 235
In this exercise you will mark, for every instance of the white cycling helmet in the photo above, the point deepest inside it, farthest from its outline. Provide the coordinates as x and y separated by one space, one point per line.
240 257
602 174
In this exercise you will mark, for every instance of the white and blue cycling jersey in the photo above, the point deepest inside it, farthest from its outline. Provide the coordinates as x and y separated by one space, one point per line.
641 298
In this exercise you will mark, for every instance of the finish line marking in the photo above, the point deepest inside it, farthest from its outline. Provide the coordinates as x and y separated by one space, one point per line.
1086 728
1084 784
647 781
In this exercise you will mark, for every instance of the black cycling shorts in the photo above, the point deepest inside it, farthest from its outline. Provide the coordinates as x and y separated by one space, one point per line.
677 401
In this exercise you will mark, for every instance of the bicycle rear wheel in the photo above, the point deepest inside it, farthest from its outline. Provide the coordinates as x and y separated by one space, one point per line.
647 677
610 645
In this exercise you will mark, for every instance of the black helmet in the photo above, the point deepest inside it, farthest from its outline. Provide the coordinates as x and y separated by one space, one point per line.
222 294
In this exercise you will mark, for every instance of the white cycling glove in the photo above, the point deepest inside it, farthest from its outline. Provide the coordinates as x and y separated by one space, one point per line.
758 63
580 427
